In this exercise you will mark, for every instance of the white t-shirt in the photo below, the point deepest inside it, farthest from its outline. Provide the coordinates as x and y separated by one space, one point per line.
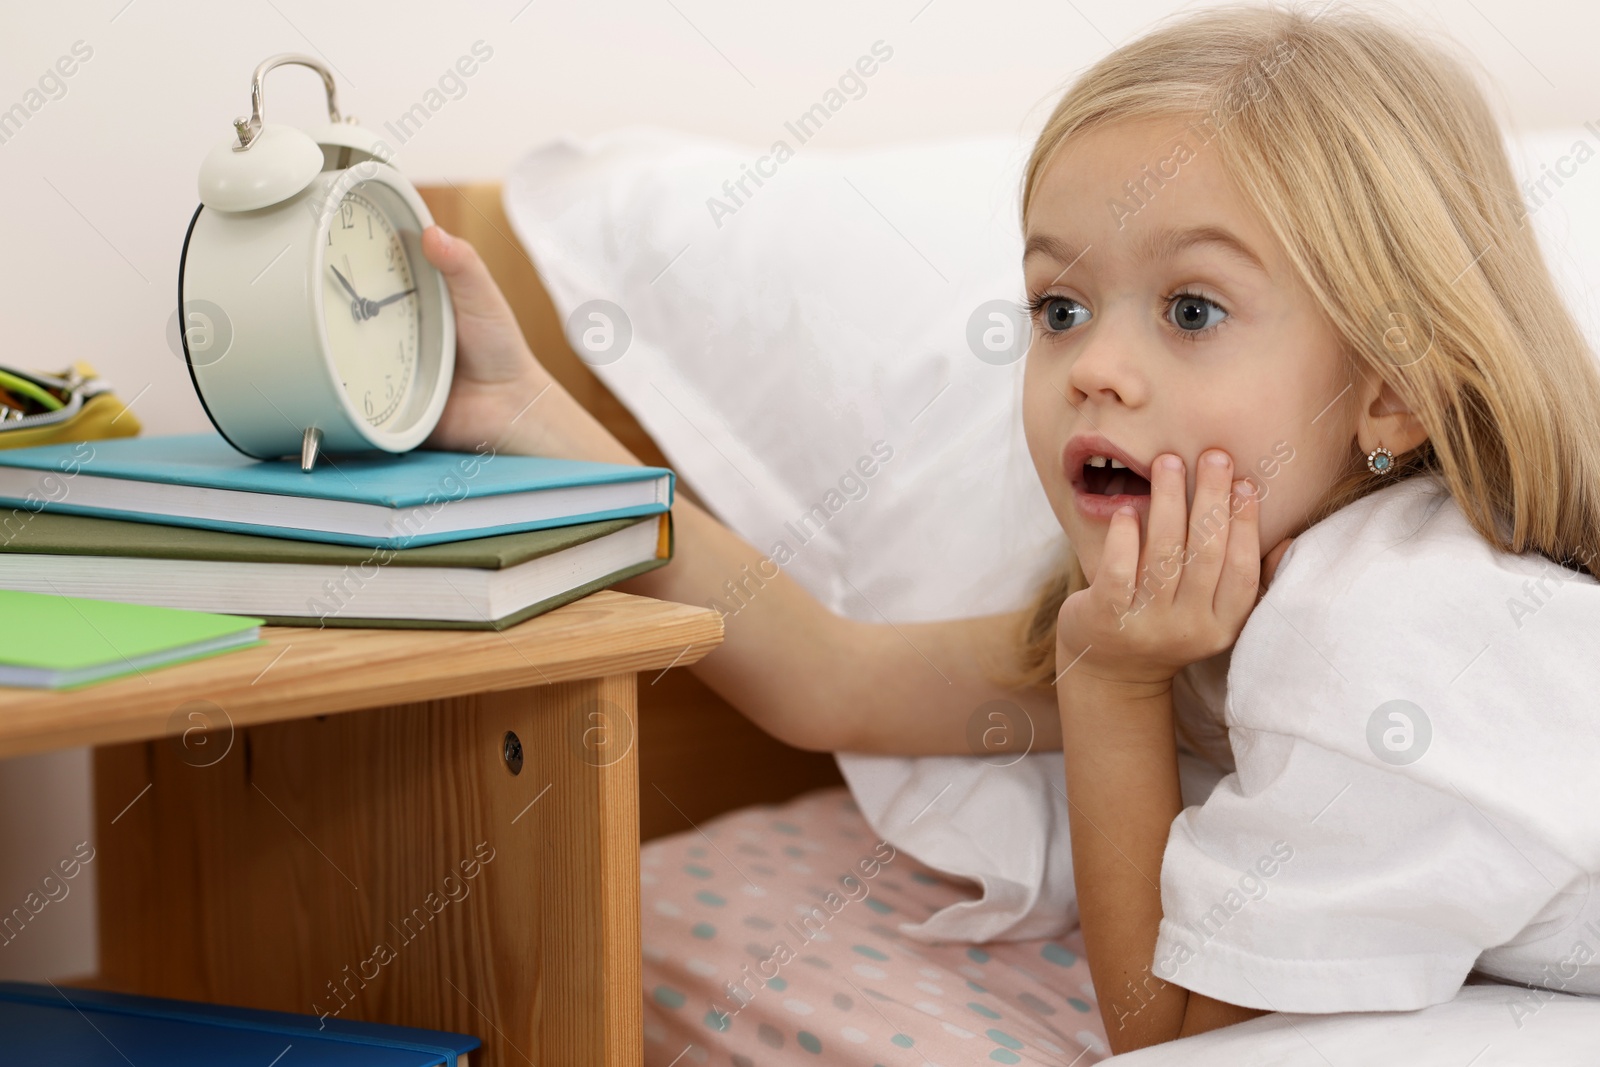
1415 728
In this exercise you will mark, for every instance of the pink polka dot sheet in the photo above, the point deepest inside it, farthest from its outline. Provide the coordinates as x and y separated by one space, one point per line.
771 938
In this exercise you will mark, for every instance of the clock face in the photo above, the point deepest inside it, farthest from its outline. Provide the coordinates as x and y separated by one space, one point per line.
371 308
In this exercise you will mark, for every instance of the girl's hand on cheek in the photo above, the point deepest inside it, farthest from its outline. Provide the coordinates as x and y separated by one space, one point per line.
1183 598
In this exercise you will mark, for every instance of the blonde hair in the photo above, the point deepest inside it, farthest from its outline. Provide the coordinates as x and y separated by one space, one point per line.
1374 160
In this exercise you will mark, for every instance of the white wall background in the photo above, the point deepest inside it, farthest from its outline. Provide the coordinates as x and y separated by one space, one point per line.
98 185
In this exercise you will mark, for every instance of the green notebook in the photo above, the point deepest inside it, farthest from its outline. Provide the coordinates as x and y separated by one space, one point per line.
64 642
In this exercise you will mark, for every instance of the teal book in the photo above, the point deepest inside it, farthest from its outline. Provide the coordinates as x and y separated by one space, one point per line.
63 642
45 1025
372 499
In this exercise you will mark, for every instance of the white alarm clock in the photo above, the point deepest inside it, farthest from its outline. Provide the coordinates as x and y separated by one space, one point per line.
312 323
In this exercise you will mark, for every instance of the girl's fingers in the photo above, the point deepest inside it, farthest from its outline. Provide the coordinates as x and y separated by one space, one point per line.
472 289
1169 513
490 350
463 270
1119 563
1241 574
1208 529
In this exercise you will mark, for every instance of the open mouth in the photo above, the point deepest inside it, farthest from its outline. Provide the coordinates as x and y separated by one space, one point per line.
1113 481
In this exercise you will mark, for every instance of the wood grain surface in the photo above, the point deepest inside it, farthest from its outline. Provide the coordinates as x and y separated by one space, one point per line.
304 671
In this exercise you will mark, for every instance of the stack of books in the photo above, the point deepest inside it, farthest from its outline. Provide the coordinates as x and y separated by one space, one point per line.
421 539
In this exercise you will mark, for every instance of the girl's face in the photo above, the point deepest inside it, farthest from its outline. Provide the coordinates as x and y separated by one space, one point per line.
1167 320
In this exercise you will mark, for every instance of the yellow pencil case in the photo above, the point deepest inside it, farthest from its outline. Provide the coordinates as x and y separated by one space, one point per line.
47 409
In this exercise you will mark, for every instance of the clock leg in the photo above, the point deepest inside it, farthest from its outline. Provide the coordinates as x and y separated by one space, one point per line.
308 448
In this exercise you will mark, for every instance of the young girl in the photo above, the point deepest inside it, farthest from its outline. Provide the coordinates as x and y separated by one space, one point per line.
1291 332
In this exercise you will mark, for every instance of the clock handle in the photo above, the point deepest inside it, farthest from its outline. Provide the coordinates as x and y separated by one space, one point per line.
247 129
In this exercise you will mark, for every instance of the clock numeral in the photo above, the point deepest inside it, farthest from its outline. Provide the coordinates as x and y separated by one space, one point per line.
392 250
369 227
347 216
388 387
368 402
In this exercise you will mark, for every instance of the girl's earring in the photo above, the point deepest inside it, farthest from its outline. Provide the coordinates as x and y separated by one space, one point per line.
1380 460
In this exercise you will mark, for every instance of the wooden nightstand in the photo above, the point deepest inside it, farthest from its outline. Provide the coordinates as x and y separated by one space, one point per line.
349 837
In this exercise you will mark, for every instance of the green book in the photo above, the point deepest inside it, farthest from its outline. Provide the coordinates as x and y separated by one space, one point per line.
481 583
64 642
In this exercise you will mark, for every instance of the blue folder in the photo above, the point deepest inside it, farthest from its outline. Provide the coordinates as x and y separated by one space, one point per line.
403 493
46 1026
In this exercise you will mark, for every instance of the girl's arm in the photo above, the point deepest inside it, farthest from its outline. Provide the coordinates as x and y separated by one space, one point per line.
1123 793
819 681
1118 734
803 674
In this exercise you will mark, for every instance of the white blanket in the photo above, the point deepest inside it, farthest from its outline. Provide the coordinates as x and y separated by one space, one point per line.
1460 834
1002 823
1412 715
1476 1028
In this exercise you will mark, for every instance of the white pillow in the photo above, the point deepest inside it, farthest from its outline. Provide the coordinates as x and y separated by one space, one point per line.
768 336
772 347
1560 182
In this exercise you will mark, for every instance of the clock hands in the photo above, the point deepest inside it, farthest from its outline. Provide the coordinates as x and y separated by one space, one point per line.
360 307
386 301
347 286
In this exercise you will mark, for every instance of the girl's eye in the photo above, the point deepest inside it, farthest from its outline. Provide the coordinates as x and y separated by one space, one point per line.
1057 313
1191 314
1194 315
